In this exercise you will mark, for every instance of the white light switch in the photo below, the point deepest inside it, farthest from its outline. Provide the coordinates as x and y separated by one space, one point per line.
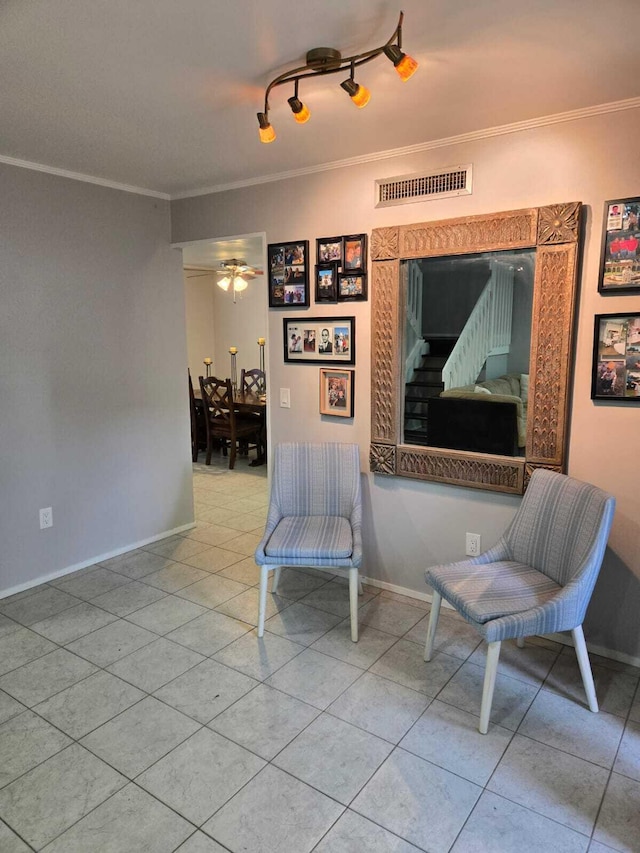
285 398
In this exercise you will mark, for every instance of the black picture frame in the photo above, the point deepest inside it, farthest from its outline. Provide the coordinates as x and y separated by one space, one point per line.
352 287
288 274
329 250
327 282
319 340
337 386
616 358
620 255
354 253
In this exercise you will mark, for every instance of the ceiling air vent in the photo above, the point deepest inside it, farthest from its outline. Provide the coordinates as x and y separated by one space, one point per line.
406 189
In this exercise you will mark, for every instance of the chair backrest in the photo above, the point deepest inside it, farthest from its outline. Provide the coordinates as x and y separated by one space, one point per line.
316 479
217 398
192 399
194 420
252 380
562 527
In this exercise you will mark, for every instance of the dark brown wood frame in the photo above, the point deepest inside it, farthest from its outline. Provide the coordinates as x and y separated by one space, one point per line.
554 231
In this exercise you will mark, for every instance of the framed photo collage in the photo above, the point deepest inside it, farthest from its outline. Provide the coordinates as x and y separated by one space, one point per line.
340 276
615 372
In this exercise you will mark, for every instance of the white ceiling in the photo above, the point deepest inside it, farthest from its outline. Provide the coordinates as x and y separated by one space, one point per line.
163 95
210 254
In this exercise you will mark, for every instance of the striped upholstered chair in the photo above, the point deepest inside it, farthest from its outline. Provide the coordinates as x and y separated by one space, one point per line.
314 517
538 579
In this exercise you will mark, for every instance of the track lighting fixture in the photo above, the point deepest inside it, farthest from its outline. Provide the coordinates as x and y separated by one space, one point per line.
327 60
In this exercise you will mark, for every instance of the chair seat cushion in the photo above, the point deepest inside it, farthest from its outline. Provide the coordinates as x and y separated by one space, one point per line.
315 536
485 592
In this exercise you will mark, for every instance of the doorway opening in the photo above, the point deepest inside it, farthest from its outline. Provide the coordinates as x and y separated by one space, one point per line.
226 327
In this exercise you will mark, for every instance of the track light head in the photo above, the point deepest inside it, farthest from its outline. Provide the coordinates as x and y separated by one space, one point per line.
360 95
300 111
267 133
405 65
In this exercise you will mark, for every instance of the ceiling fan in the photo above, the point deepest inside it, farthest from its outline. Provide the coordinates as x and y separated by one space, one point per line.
234 273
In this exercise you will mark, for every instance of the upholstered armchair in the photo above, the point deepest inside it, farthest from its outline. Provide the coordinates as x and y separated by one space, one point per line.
315 517
538 578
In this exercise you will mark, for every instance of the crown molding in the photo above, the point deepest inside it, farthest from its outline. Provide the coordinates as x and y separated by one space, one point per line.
487 133
79 176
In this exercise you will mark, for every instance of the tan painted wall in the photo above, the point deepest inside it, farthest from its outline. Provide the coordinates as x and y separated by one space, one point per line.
215 322
409 525
198 298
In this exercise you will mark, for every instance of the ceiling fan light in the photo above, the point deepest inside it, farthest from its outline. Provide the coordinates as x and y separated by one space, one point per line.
239 284
300 111
404 65
224 282
267 133
360 95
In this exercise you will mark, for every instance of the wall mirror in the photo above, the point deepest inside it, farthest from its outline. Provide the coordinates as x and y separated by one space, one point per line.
472 324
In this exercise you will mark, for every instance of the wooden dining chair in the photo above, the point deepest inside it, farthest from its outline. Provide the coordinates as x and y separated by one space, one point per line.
223 422
198 431
252 381
194 423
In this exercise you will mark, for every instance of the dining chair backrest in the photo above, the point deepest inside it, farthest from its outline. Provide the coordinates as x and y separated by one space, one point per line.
562 525
252 381
217 397
316 479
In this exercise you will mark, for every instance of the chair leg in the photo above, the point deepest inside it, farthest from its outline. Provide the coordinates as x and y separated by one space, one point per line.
520 642
232 454
354 583
436 601
360 589
276 580
491 670
585 668
264 580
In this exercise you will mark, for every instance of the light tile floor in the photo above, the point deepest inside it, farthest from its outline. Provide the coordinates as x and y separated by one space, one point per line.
139 712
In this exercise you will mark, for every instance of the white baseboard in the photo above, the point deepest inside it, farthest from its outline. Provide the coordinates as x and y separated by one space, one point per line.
403 590
5 593
621 657
565 639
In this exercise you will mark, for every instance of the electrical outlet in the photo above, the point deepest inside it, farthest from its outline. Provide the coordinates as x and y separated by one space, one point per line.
473 545
46 518
285 398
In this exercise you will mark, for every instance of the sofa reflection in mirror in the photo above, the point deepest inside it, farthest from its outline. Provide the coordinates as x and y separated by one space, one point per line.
487 417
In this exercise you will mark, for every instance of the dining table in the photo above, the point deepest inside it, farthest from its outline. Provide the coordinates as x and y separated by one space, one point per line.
245 402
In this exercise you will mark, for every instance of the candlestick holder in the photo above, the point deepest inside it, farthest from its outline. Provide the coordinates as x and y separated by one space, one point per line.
233 351
263 378
207 365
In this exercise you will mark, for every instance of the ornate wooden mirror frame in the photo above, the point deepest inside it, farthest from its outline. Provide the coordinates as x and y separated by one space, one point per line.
554 232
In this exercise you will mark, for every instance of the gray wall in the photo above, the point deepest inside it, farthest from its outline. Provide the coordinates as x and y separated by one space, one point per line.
93 392
409 525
